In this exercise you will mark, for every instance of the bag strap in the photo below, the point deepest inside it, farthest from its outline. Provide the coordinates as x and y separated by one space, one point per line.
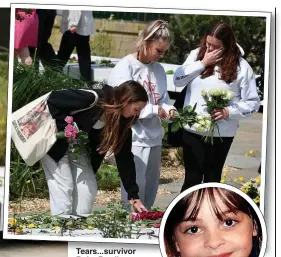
92 105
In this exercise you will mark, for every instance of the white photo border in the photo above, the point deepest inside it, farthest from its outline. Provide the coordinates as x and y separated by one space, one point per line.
265 14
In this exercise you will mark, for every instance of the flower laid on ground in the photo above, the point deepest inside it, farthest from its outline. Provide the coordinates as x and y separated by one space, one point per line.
215 99
77 139
148 219
113 222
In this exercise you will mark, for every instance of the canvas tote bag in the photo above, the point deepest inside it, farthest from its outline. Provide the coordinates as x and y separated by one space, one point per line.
34 131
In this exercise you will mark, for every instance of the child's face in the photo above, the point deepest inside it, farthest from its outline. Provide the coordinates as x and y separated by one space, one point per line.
210 237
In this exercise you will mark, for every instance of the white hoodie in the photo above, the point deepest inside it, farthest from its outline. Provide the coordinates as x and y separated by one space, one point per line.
148 131
245 102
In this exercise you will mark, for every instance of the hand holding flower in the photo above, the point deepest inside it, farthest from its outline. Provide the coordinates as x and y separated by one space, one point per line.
220 114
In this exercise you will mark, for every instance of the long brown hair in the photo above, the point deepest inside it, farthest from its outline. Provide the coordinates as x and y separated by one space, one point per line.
189 206
231 54
116 126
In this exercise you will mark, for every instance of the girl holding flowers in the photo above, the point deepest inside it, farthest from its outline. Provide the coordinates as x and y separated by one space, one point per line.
213 72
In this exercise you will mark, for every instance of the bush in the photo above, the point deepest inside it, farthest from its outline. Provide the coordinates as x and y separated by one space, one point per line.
3 108
108 178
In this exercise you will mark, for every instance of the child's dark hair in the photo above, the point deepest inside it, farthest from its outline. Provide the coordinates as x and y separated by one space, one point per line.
189 206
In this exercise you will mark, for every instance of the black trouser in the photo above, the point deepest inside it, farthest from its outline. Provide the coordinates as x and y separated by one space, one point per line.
203 162
82 43
45 51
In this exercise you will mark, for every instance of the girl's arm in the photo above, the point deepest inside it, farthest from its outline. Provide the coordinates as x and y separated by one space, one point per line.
189 70
250 101
62 102
73 18
126 168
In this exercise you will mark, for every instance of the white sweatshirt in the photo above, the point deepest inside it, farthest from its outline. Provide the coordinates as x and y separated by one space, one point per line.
245 102
83 20
148 131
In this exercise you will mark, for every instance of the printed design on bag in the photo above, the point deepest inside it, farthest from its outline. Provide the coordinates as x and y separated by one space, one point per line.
30 123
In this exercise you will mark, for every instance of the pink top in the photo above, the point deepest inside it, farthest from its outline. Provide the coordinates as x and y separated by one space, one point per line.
26 28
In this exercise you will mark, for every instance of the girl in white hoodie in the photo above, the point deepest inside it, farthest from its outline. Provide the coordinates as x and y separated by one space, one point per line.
142 66
217 63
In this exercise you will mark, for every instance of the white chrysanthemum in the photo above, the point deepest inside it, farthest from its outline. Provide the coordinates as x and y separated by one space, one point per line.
200 117
201 122
208 123
203 92
196 126
201 129
230 95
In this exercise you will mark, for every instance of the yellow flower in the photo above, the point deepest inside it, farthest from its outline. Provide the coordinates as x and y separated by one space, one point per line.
12 222
258 180
244 190
247 154
90 227
22 226
222 180
251 151
31 225
56 227
241 178
224 174
236 179
27 182
257 199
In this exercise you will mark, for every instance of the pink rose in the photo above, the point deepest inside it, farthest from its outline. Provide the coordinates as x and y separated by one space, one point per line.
68 133
69 119
69 128
75 130
135 216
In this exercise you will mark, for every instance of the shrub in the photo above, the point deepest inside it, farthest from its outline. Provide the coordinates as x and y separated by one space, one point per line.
108 178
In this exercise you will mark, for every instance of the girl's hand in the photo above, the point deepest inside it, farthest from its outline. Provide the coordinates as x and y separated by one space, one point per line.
162 113
211 58
137 204
220 114
72 29
172 114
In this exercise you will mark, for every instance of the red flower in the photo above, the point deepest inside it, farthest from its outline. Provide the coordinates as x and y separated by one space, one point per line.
156 225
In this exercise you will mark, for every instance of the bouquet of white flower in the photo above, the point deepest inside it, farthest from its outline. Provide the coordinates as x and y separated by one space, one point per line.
215 99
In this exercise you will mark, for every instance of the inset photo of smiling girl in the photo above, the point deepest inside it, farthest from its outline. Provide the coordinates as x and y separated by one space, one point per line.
213 220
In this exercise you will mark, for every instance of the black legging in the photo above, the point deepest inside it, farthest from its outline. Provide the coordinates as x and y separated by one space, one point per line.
82 43
203 162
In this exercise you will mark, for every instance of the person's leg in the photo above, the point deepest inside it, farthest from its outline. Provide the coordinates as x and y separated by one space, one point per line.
25 56
194 158
152 176
60 184
67 45
45 50
215 159
84 56
141 155
85 185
